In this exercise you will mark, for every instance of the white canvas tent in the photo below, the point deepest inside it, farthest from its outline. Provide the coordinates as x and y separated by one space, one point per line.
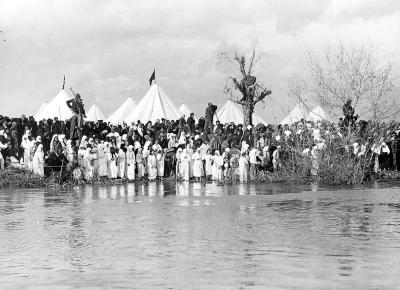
318 114
57 107
230 112
94 114
154 105
184 110
120 114
299 112
42 107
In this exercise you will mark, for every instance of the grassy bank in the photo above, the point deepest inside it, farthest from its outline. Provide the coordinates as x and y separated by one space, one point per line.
16 178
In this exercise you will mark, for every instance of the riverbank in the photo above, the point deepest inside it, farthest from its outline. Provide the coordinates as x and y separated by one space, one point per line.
18 178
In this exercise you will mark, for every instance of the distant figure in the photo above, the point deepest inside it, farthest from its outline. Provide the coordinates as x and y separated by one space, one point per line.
348 112
76 106
209 118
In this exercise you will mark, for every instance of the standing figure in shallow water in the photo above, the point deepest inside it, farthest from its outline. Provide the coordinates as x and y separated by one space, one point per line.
130 163
38 161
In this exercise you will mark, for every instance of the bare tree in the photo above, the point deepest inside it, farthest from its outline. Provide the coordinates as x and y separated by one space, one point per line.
244 89
354 74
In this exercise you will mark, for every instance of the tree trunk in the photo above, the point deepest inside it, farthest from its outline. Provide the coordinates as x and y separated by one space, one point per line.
248 110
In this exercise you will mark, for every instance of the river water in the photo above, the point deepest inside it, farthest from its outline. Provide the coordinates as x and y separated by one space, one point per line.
200 236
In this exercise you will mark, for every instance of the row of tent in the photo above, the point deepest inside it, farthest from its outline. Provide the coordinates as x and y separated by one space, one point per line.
301 111
156 105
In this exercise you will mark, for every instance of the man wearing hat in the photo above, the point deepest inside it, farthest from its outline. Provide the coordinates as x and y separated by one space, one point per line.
210 111
76 106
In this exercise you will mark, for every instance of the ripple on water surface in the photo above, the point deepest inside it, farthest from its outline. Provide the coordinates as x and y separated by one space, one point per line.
185 236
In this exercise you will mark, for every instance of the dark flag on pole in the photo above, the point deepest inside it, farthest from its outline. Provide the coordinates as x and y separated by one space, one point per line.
153 77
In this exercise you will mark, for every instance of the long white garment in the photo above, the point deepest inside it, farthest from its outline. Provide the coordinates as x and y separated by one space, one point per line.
160 164
209 161
88 159
121 163
217 168
243 169
152 167
130 162
185 166
26 145
189 151
38 161
112 165
197 165
101 161
69 153
140 164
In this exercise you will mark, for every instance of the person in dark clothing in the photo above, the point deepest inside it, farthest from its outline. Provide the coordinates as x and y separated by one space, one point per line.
191 123
76 106
348 112
209 118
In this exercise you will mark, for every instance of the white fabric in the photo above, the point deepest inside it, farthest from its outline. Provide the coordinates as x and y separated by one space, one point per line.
197 165
120 114
38 161
56 108
154 105
94 114
230 112
243 169
184 111
152 167
318 114
130 160
42 107
299 112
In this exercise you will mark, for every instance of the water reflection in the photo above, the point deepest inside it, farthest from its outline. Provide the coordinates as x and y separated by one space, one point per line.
220 237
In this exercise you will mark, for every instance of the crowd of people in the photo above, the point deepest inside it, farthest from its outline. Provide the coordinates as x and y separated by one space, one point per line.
185 149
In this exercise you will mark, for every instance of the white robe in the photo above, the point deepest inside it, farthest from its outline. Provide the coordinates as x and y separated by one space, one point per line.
243 169
88 159
140 165
38 161
197 165
101 161
160 164
185 167
152 167
121 163
112 165
209 161
26 145
130 162
217 173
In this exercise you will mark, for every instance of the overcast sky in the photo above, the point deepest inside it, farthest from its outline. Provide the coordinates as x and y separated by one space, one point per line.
108 49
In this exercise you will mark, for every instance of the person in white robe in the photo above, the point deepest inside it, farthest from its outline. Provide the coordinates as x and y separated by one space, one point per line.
38 161
112 159
121 162
243 168
185 166
152 165
189 151
160 164
198 172
218 162
101 160
178 156
209 164
88 159
130 163
140 163
26 146
81 153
